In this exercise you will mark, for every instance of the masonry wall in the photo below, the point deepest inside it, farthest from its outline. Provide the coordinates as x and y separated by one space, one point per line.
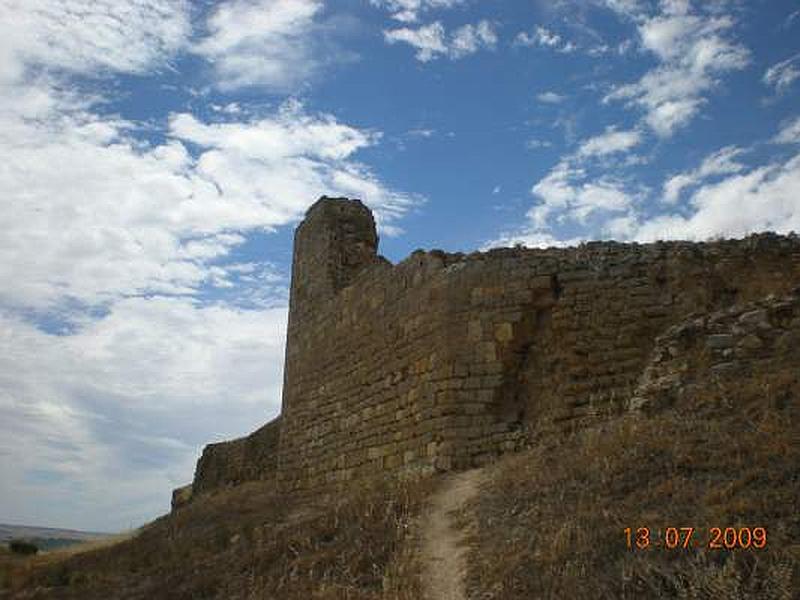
716 357
250 458
446 360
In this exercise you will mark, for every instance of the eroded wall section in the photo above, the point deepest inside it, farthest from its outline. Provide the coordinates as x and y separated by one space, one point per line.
250 458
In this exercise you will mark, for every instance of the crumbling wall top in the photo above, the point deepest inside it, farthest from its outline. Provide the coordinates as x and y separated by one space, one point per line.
336 241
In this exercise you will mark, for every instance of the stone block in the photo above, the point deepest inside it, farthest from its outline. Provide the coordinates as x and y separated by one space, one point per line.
504 332
474 331
754 319
751 342
720 341
181 496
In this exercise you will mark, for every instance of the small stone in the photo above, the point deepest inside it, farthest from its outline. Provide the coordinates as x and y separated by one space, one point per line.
751 342
503 332
725 369
720 340
754 319
788 342
637 403
474 331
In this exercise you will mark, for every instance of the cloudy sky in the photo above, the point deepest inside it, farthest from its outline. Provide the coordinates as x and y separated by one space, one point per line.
155 156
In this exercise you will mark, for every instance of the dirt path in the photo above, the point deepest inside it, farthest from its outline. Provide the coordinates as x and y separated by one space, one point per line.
444 554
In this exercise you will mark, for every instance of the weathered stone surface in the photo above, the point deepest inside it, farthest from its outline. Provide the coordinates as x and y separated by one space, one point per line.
751 342
249 458
755 319
720 340
677 367
443 360
726 369
181 496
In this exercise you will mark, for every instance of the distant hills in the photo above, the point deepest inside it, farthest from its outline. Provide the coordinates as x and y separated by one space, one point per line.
47 538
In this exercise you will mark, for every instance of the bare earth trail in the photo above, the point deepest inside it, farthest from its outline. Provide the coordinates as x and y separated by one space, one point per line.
444 551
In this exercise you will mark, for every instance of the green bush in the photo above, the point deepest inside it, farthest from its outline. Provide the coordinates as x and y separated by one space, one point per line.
23 547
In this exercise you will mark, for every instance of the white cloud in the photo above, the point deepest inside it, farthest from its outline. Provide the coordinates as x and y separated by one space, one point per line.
789 133
431 41
610 142
468 39
530 239
567 191
408 11
676 7
765 198
602 195
288 134
744 201
421 132
86 36
620 228
541 36
693 51
535 144
127 213
783 74
264 43
721 162
729 199
550 97
626 8
544 38
98 426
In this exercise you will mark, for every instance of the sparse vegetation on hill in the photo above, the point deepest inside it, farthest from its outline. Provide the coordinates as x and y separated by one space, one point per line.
23 547
552 519
249 542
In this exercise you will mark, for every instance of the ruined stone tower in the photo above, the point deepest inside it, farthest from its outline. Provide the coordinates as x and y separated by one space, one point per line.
336 240
445 361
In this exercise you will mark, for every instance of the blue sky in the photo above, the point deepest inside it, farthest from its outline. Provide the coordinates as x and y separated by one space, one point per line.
155 156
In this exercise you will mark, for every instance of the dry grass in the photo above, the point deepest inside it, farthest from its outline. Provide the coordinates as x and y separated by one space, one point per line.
90 545
250 543
551 520
15 568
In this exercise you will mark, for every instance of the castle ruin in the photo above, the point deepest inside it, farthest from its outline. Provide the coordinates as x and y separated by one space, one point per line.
447 360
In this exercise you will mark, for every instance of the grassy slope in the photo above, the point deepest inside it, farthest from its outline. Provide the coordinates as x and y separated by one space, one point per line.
245 543
551 519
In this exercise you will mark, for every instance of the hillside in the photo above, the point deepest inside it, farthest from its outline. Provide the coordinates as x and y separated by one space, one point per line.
701 444
710 441
241 543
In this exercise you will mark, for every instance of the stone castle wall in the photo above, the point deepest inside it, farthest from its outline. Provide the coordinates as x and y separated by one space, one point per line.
747 345
444 361
250 458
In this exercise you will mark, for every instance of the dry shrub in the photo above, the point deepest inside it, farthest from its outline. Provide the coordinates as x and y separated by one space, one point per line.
249 542
552 519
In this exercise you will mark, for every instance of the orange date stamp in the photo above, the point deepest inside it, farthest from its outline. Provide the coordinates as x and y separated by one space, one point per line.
712 538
